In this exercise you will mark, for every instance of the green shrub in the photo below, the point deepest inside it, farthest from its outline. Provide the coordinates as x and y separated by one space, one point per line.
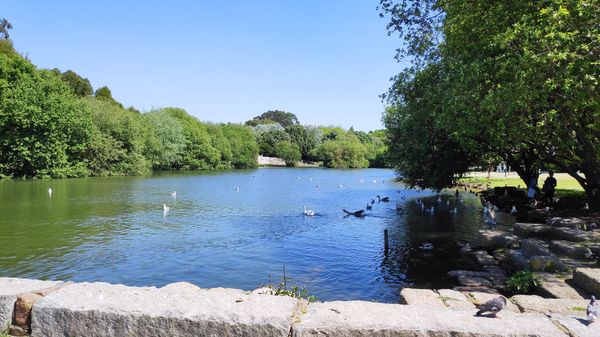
523 282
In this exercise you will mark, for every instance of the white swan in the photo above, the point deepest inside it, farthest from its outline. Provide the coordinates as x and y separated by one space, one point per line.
49 191
166 209
308 212
173 194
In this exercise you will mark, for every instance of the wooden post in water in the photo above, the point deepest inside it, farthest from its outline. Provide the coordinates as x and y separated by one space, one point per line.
385 241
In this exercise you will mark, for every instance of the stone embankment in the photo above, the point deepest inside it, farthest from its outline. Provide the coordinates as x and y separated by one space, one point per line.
182 309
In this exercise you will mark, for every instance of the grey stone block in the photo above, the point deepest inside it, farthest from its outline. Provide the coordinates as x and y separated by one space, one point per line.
10 288
179 309
365 319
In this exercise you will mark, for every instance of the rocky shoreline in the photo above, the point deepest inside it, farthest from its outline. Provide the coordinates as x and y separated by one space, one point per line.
552 243
57 309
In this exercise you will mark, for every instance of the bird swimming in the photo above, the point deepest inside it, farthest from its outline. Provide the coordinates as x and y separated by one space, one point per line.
358 214
173 194
309 212
454 211
49 191
493 306
166 209
426 246
369 207
384 199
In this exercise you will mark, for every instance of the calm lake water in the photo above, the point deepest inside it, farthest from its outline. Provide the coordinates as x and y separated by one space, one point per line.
234 229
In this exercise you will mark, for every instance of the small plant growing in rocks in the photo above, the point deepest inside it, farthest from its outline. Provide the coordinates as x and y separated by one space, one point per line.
523 282
294 291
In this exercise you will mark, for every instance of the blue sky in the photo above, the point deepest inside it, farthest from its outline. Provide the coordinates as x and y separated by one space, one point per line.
222 61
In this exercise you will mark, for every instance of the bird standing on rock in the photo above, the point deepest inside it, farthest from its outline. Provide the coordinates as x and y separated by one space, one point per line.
493 306
593 310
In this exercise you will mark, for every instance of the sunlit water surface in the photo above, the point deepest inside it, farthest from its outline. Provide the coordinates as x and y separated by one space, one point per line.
235 229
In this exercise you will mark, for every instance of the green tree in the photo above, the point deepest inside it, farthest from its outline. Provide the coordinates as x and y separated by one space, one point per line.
244 148
166 141
284 118
267 135
81 86
43 131
104 94
346 151
519 80
119 145
305 137
220 142
289 152
199 152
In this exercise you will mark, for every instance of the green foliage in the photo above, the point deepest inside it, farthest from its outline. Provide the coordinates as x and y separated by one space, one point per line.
199 152
244 149
288 151
294 291
104 94
220 142
81 86
282 118
166 142
510 80
306 138
43 132
119 141
267 135
345 151
523 282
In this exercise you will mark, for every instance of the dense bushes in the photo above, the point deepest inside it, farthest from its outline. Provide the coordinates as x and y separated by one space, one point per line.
52 126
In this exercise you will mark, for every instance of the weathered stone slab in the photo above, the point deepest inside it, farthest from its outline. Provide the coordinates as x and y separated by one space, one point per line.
534 303
474 281
180 309
569 234
556 287
588 279
566 222
570 249
365 319
529 230
576 326
480 298
517 259
493 239
531 247
10 288
483 258
455 300
421 297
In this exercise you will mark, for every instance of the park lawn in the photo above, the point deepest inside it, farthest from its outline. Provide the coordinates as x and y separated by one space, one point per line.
566 185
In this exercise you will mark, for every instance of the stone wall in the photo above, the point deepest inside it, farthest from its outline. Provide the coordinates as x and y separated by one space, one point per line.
183 309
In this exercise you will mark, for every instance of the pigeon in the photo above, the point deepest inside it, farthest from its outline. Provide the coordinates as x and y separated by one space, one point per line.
593 310
493 306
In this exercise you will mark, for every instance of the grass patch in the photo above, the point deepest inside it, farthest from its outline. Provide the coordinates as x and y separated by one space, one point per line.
578 309
446 298
566 185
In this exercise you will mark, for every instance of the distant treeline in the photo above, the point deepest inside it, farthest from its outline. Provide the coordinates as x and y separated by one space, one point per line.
54 125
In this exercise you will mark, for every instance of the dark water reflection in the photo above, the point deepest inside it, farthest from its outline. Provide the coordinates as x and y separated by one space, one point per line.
113 230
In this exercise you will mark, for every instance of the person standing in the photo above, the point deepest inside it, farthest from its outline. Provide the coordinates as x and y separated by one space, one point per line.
548 188
533 185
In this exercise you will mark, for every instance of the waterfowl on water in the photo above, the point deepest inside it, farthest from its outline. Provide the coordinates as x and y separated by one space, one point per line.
454 211
166 209
49 191
384 199
369 207
426 246
308 212
358 214
173 194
